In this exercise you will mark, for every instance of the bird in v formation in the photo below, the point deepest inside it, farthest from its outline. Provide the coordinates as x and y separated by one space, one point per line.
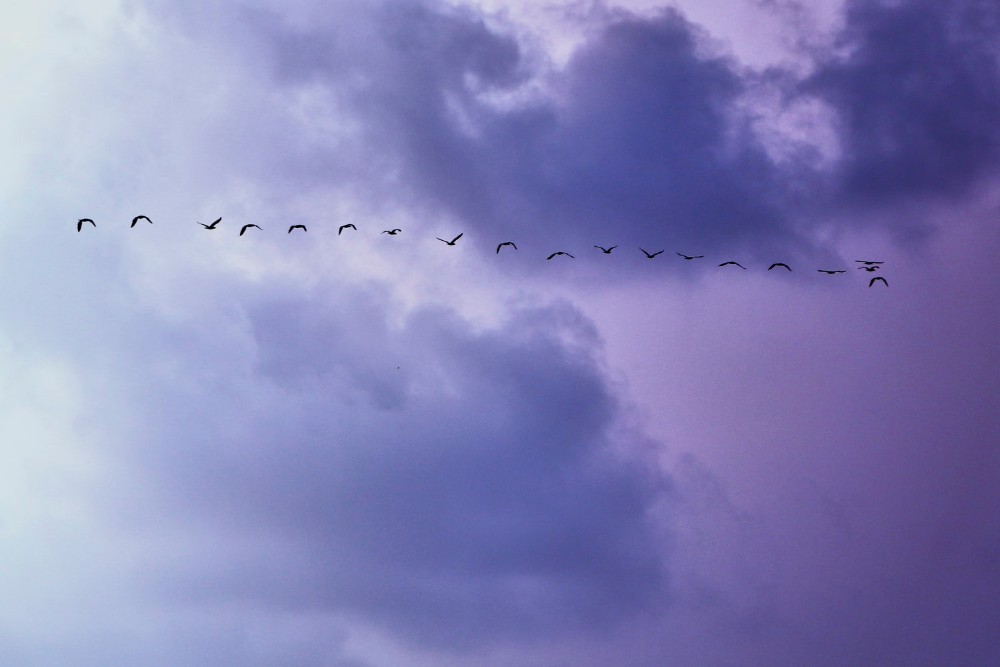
867 264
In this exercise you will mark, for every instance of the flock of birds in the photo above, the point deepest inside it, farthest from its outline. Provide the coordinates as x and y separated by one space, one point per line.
868 265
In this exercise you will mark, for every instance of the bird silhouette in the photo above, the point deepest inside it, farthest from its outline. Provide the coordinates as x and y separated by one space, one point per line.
779 264
137 219
831 271
734 263
302 227
451 242
349 225
650 255
869 262
392 232
81 221
246 227
510 243
689 257
211 226
560 252
606 251
872 281
869 269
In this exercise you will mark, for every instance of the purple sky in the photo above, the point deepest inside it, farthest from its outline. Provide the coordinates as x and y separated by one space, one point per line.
360 450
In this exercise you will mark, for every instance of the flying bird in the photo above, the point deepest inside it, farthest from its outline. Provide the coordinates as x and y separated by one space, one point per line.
872 281
302 227
868 262
138 218
392 232
735 263
831 272
650 255
211 226
606 251
779 264
81 221
510 243
689 257
560 252
246 227
349 225
451 242
869 269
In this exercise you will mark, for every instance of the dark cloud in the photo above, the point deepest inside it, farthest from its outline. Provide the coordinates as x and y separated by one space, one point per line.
453 485
634 140
917 95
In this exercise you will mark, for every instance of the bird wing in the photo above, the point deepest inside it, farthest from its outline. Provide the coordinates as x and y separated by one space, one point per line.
457 237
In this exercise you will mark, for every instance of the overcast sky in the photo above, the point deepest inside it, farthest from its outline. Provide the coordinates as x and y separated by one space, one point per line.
356 449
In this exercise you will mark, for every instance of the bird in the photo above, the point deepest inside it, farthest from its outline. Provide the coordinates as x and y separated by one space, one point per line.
248 226
872 281
831 271
869 269
349 225
606 251
779 264
211 226
869 262
650 255
79 223
138 218
560 252
302 227
392 232
451 242
510 243
736 263
689 257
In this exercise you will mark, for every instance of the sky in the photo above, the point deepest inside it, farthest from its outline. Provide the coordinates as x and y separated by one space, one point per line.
344 448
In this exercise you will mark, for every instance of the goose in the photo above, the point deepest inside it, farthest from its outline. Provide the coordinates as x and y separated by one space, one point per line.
690 257
650 255
876 278
831 272
211 226
451 242
510 243
349 225
246 227
138 218
392 232
560 252
606 251
302 227
734 263
779 264
81 221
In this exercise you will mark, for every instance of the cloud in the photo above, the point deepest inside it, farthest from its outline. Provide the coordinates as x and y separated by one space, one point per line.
914 87
455 486
635 138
